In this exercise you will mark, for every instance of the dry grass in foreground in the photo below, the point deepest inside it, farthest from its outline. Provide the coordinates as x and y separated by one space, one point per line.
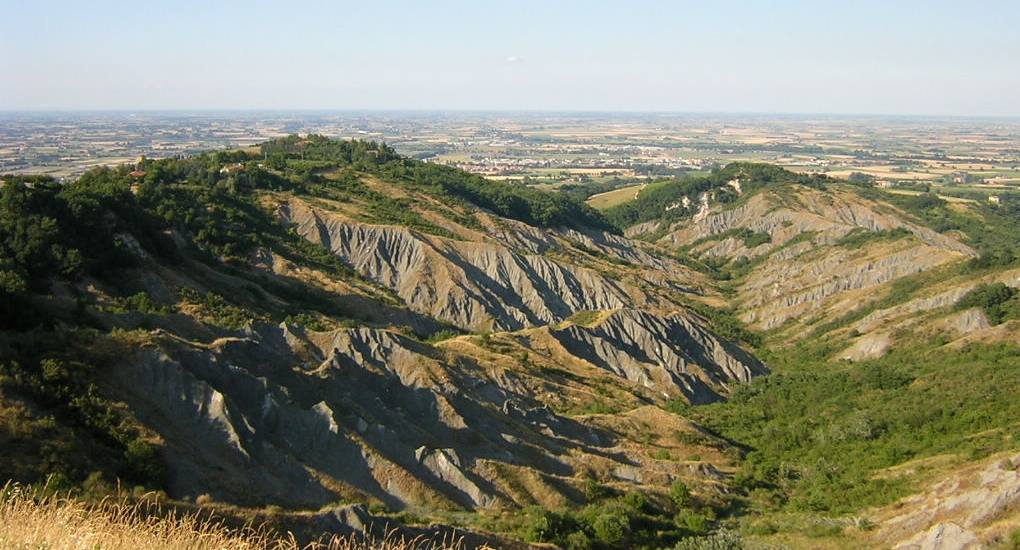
29 521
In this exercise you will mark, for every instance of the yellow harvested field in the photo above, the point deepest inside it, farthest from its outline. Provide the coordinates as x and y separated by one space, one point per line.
884 172
946 198
615 197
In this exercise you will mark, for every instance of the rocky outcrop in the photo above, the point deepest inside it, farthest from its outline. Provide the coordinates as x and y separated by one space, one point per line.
782 290
527 239
673 354
966 321
967 509
869 346
831 214
446 466
473 285
942 536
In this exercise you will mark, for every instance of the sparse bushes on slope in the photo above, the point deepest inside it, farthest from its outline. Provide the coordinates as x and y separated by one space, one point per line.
725 540
58 372
859 237
990 230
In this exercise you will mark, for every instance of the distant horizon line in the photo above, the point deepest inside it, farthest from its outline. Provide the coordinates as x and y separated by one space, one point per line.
271 110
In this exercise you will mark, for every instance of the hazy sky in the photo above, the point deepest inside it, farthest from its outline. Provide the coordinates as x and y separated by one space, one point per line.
890 57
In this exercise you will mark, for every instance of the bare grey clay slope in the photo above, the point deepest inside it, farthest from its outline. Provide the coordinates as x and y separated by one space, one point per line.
802 273
475 286
283 415
672 354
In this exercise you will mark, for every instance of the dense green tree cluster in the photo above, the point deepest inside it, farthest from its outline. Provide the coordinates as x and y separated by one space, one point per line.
49 231
998 301
629 521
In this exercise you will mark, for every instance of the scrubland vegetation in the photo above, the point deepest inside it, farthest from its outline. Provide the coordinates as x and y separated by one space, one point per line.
817 436
819 433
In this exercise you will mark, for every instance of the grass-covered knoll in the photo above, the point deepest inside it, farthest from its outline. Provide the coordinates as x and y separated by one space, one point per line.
585 318
615 197
664 200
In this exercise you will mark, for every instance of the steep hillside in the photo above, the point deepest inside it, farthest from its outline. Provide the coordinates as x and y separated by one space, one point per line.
328 336
889 323
800 256
809 256
322 322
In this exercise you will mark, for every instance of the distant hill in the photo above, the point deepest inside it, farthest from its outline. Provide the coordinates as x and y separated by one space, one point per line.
665 199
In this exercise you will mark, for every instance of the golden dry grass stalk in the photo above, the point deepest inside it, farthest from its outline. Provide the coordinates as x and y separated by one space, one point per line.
33 520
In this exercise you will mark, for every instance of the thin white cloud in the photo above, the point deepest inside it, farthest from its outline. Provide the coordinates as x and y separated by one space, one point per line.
513 59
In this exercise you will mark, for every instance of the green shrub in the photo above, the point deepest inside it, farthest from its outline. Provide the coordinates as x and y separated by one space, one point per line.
541 525
309 321
144 464
444 334
692 522
216 310
752 239
579 540
680 494
860 236
1013 542
610 529
998 301
719 541
595 491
